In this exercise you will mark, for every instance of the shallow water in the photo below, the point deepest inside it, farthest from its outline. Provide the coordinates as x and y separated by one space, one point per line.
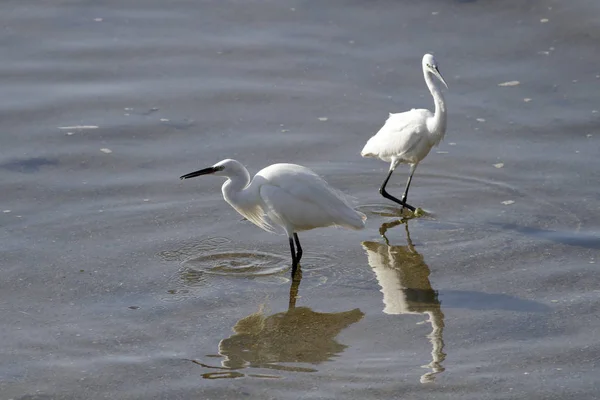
120 281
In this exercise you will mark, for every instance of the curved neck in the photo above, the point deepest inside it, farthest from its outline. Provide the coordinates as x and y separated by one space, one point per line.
238 180
437 124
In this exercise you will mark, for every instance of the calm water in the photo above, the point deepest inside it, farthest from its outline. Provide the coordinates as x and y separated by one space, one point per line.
118 281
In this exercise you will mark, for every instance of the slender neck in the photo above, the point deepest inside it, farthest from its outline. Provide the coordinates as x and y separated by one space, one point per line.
437 124
239 178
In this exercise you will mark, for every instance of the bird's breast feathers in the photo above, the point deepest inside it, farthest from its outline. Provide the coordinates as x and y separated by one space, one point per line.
399 135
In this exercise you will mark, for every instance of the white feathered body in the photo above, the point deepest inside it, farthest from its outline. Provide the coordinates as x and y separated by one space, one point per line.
294 198
405 137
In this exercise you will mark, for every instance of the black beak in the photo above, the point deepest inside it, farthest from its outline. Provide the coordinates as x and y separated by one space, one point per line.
205 171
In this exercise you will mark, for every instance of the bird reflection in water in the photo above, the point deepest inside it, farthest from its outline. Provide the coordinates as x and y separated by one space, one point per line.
298 335
404 279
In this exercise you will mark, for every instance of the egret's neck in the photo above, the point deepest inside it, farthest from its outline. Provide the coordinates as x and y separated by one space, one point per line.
437 125
234 187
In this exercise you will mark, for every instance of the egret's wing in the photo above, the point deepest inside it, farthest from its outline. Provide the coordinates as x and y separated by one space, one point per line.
305 199
258 216
306 185
400 134
281 206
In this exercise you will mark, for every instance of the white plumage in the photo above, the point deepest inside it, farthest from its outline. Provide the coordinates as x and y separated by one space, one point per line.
309 201
404 136
289 196
409 136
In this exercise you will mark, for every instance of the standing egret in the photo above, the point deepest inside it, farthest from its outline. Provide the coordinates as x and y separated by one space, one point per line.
287 195
409 136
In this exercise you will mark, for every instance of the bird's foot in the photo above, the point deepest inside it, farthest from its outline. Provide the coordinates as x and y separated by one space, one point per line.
419 212
410 214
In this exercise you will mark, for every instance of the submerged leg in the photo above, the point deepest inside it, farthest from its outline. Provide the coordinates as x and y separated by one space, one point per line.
294 289
298 247
405 195
389 196
294 260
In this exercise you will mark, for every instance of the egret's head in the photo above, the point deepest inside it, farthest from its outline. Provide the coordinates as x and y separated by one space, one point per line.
222 168
430 65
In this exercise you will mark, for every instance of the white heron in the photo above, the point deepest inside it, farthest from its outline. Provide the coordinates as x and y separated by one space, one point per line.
286 195
409 136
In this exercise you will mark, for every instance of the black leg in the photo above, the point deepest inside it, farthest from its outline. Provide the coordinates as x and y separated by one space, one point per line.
298 247
390 197
405 195
294 260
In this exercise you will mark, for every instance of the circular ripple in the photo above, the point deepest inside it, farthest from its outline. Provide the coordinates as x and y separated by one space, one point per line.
495 206
319 261
188 282
185 283
482 199
317 270
190 249
238 263
484 220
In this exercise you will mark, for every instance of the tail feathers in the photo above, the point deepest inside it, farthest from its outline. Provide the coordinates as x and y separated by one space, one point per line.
367 151
357 222
372 148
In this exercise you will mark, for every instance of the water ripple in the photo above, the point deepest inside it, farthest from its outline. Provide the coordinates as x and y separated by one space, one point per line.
191 249
247 263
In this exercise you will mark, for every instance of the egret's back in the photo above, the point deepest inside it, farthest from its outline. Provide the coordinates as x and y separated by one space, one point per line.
298 199
404 136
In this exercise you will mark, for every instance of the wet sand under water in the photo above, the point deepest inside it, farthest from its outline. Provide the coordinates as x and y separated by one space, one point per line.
120 281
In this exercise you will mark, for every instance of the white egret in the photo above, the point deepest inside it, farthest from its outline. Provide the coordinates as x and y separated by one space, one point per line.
286 195
409 136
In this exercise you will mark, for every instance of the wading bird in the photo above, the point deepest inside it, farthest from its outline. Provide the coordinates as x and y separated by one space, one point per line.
286 195
409 136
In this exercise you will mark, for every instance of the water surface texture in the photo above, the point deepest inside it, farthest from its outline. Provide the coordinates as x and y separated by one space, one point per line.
119 281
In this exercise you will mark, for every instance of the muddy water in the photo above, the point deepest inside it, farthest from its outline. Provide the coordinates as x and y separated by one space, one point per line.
120 281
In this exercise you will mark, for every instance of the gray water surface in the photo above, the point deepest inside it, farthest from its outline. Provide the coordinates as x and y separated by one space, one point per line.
119 281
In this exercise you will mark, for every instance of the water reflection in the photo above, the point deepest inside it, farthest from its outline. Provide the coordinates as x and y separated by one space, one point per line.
404 279
298 335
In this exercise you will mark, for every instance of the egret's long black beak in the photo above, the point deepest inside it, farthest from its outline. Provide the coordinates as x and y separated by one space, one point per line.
205 171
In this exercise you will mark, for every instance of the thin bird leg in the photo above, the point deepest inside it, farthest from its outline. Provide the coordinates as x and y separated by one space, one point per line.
413 167
298 247
294 260
389 196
